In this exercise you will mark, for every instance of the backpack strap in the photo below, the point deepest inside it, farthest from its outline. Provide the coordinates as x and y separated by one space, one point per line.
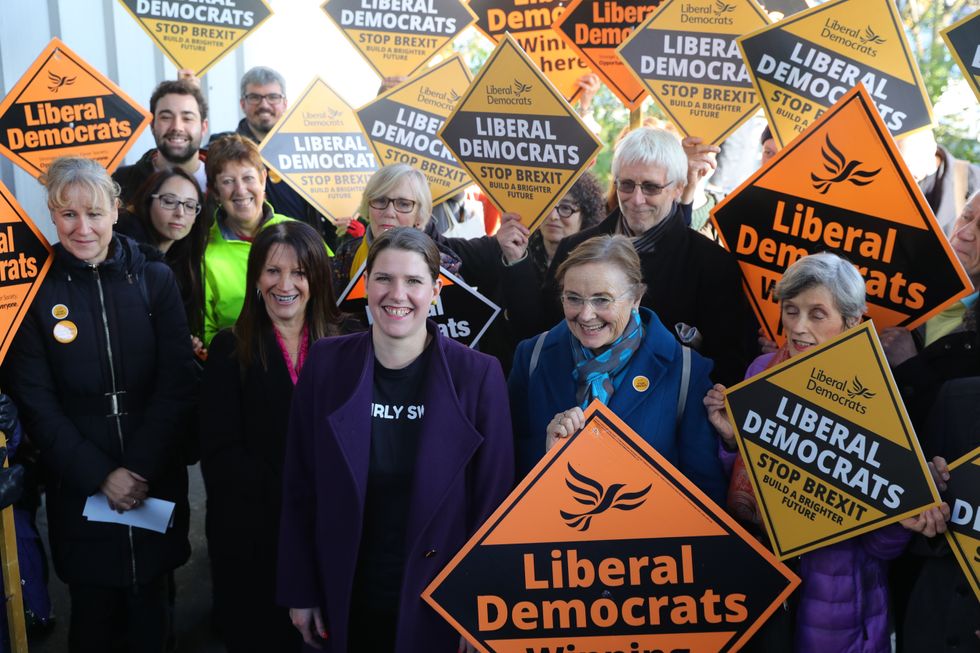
685 385
535 354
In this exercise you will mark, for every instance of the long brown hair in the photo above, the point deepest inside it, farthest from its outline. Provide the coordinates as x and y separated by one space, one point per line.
185 255
323 318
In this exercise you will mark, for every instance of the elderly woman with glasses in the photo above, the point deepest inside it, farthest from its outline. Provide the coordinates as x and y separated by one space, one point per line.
397 195
610 349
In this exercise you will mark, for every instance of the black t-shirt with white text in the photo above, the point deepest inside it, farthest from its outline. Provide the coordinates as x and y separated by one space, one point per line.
396 420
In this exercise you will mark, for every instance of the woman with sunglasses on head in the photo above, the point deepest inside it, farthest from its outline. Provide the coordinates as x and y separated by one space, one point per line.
610 349
166 214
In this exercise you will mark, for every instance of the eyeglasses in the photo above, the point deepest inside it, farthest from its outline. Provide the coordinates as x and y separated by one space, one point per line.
171 202
401 205
650 189
597 302
566 210
271 98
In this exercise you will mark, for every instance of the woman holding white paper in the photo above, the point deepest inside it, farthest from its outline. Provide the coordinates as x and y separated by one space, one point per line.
104 376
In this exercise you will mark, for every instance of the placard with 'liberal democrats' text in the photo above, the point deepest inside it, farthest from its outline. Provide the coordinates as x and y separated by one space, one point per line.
196 35
62 106
517 137
686 55
402 124
842 186
963 40
318 149
397 37
606 546
595 30
530 24
828 446
963 496
805 63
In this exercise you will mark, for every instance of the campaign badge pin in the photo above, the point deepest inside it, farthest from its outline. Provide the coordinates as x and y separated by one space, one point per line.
65 331
59 311
641 383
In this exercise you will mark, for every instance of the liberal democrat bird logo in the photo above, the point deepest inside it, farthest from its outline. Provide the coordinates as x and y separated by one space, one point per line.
840 169
590 492
333 114
859 390
521 88
453 95
723 7
57 81
870 36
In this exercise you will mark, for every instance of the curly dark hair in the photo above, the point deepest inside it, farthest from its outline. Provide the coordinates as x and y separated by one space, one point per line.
588 195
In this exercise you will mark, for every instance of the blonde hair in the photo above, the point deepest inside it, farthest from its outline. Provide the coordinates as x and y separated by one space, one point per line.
385 179
68 172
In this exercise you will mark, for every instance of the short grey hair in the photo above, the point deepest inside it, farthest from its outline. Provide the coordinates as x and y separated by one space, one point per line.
68 172
385 179
260 76
648 146
837 275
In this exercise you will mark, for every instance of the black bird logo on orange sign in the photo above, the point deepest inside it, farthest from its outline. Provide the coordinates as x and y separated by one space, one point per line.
590 492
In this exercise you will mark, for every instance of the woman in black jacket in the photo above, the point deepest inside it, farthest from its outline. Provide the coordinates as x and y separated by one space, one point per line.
247 387
105 380
167 215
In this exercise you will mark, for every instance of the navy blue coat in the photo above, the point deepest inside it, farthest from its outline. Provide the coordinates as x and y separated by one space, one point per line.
464 469
652 413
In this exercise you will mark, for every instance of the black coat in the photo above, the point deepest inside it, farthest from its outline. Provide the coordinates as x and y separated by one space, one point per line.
941 612
689 279
130 328
244 417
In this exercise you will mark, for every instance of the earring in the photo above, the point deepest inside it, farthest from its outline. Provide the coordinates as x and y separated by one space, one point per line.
258 293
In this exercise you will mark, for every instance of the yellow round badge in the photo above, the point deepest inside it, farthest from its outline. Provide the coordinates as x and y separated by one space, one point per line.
641 383
59 311
65 331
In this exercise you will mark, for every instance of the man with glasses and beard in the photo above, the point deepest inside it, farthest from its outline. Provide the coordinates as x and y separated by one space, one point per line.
180 120
263 101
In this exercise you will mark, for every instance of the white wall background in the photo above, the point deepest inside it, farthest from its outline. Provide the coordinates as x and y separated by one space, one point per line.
298 40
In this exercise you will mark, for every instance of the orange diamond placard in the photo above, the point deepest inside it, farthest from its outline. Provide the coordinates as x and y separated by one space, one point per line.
530 24
843 187
62 106
607 546
196 35
25 257
595 29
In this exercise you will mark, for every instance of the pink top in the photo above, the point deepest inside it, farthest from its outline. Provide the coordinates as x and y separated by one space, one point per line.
304 345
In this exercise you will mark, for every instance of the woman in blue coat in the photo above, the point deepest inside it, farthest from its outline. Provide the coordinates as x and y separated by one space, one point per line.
610 349
399 447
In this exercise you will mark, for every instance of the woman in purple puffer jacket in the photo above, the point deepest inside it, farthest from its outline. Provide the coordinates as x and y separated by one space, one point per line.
843 599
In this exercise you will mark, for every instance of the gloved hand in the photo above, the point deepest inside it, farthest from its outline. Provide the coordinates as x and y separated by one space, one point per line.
8 415
11 485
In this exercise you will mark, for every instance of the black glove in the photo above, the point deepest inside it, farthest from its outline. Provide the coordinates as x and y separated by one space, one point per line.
8 415
11 485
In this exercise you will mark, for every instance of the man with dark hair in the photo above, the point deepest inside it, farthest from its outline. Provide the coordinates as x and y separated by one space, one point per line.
263 101
180 120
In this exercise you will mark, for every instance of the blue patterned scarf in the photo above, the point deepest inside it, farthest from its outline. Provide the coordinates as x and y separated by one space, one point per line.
595 374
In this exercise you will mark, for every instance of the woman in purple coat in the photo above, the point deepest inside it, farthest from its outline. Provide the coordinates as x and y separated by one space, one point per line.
399 448
843 600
